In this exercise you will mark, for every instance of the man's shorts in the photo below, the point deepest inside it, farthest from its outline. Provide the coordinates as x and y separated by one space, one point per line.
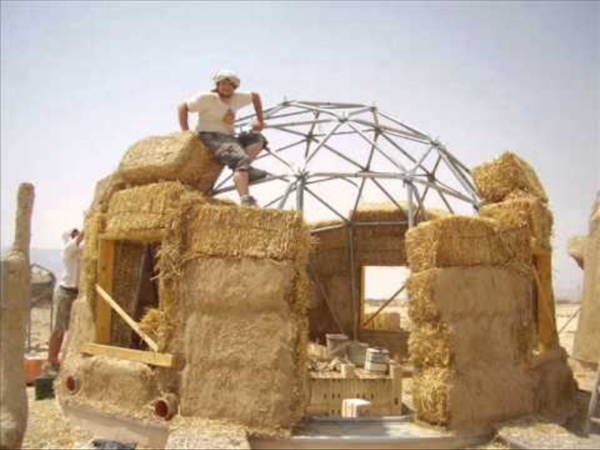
63 302
230 150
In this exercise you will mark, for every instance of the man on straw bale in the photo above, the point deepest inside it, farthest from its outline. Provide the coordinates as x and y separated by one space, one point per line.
216 115
65 295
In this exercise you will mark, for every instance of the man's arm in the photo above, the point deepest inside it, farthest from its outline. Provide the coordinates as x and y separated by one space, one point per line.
259 112
183 117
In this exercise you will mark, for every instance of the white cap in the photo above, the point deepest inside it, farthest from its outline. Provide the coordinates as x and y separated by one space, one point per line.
224 74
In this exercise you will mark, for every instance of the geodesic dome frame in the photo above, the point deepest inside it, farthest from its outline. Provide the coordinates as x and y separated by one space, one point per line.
339 156
365 145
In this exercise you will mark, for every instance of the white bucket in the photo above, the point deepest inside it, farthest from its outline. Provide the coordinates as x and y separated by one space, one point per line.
357 353
377 360
337 345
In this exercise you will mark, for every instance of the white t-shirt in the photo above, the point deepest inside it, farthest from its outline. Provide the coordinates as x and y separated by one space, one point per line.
71 256
217 115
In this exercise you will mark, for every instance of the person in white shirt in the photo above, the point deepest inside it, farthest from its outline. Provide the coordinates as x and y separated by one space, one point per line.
66 293
216 115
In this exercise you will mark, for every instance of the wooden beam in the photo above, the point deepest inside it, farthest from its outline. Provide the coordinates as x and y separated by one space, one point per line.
152 358
106 262
132 323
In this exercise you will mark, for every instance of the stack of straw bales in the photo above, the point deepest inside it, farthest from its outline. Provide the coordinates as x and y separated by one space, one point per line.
470 305
233 293
515 197
176 157
241 313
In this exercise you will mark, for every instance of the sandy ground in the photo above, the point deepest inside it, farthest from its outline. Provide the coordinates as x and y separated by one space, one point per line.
48 429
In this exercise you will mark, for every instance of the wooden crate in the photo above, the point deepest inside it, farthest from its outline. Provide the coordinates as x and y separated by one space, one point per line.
327 391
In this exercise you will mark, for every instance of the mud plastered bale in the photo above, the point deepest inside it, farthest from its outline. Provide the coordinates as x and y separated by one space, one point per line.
250 366
127 388
508 174
175 157
502 342
452 294
473 401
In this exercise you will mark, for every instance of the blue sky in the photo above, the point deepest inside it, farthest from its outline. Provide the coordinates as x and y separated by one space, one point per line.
82 81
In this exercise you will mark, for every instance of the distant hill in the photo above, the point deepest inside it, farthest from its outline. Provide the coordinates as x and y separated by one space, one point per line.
46 257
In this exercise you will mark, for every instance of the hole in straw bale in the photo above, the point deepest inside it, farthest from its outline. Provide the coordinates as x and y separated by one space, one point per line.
72 384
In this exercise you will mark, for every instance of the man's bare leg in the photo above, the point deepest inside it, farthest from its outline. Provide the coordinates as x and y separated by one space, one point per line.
240 179
54 345
253 150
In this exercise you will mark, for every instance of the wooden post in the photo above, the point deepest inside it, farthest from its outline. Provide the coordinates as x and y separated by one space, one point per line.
548 334
106 263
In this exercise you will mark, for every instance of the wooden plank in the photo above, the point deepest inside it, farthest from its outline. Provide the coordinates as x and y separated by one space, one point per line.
152 358
132 323
106 263
145 236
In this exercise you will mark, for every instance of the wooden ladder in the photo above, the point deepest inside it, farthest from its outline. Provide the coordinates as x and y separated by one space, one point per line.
591 418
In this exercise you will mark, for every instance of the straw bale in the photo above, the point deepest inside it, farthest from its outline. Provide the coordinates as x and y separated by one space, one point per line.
528 212
331 262
151 323
429 345
117 385
175 157
467 241
223 286
389 212
260 344
379 212
94 226
339 292
430 395
250 315
81 330
244 370
368 234
104 190
143 209
330 239
458 344
478 293
555 388
387 321
214 230
508 174
474 400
